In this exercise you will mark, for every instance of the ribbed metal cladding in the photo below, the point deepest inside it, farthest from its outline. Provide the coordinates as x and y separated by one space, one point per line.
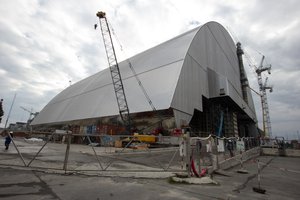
177 74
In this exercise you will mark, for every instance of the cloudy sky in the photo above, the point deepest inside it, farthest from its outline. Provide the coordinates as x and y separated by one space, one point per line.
45 44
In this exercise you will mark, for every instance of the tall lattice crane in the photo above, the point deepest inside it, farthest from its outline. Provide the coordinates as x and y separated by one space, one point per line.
263 87
114 69
32 115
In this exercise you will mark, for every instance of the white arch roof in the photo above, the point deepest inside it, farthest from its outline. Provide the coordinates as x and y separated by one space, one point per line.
176 73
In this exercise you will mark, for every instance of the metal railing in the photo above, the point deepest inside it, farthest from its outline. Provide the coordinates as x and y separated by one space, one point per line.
101 153
108 153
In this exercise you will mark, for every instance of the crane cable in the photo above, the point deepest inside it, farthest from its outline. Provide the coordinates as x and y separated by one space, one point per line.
133 70
247 56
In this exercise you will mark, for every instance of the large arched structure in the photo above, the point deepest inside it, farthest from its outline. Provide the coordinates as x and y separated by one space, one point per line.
201 64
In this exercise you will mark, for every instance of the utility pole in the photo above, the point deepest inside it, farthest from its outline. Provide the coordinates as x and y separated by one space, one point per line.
1 110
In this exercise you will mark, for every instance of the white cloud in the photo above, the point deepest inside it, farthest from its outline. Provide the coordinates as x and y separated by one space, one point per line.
44 44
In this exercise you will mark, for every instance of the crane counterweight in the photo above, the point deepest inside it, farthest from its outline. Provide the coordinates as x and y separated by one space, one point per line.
101 14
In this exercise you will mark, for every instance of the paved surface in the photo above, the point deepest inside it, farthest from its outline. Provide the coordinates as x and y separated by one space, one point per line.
82 159
280 176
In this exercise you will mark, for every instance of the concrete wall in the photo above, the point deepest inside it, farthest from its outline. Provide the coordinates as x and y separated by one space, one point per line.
276 152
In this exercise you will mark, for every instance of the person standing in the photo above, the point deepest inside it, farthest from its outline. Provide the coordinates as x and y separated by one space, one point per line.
8 140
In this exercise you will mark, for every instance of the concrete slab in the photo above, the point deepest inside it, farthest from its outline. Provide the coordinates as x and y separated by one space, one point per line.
193 180
279 184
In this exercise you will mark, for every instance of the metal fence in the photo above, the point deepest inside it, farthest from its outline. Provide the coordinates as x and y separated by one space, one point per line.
99 152
108 153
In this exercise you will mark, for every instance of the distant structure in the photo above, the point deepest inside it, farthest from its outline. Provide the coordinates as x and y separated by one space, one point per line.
196 79
18 126
32 115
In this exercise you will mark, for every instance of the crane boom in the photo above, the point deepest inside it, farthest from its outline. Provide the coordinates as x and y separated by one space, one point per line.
26 110
114 69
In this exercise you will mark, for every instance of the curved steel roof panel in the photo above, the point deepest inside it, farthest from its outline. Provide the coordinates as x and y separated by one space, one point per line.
176 73
158 69
210 65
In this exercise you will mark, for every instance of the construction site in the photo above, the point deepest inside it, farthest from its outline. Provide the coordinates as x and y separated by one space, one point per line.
182 109
195 80
191 86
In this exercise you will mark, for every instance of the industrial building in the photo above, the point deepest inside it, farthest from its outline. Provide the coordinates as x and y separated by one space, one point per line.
196 79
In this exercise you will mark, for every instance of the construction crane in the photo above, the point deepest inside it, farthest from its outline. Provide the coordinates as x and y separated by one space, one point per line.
114 70
263 87
116 76
32 115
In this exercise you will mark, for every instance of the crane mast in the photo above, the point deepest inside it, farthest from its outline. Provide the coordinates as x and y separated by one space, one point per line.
114 69
262 88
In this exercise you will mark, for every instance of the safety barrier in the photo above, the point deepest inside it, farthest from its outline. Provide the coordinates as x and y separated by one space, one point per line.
102 153
109 153
207 152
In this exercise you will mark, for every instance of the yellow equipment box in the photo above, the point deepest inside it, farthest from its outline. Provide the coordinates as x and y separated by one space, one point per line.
145 138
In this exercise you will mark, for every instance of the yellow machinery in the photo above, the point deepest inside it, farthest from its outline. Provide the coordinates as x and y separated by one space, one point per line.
145 138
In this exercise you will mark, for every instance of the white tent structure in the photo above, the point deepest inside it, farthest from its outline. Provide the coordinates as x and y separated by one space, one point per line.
177 75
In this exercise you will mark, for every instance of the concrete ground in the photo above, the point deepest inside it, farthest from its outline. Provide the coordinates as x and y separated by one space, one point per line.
82 159
280 177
